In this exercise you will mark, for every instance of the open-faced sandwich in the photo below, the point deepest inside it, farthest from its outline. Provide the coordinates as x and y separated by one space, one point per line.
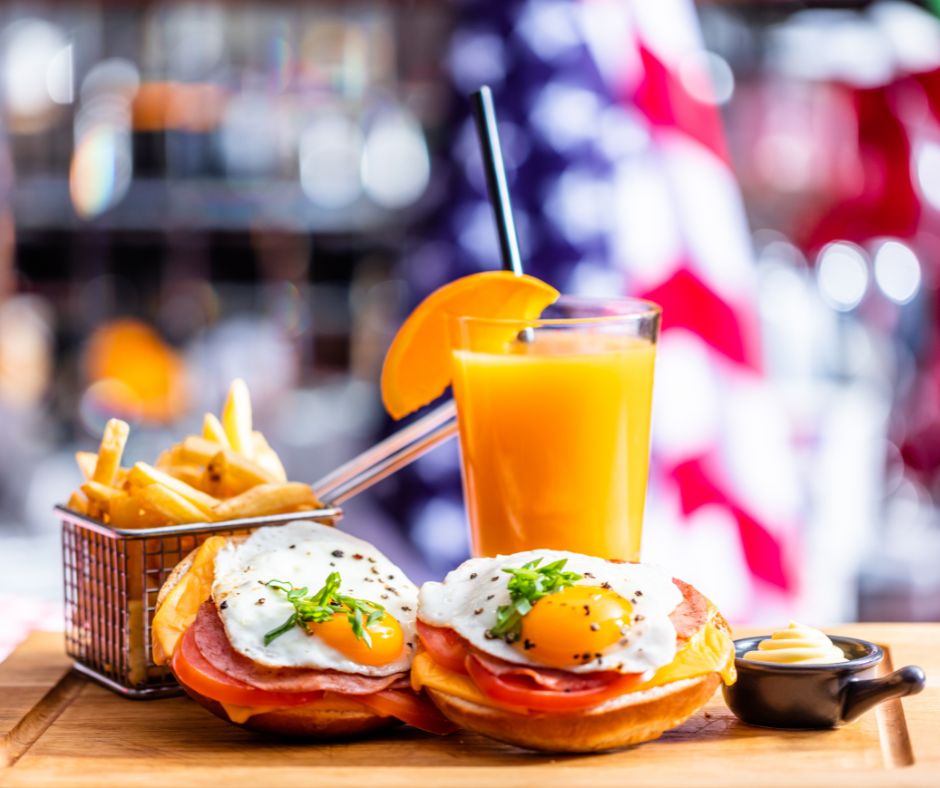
559 651
298 629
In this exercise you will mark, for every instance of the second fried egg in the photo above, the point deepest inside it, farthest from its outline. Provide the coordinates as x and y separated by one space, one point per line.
616 617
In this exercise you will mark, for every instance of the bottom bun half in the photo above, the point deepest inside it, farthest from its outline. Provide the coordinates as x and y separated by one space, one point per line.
630 719
314 721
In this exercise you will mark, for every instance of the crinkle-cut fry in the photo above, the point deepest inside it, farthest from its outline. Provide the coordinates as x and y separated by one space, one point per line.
198 451
144 475
230 471
78 502
173 506
86 461
267 458
101 493
236 418
266 499
111 451
213 430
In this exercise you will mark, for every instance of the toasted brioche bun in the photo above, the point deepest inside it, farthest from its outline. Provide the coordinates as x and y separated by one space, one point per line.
183 567
305 722
629 719
174 577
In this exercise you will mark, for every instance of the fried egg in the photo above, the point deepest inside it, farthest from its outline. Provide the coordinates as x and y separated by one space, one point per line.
616 617
303 554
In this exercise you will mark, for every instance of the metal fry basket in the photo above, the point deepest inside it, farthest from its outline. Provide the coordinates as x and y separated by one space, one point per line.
112 577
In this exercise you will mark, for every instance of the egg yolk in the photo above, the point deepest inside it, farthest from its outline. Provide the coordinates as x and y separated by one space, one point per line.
385 634
574 626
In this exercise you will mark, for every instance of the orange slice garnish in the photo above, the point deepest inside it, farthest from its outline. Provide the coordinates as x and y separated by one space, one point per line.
417 366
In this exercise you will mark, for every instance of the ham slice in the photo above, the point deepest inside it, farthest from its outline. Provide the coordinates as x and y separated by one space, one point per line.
691 614
213 643
545 678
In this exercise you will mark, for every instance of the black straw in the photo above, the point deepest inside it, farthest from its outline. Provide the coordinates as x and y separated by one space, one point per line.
484 114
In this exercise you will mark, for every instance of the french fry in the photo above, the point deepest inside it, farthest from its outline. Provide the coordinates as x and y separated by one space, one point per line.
101 494
231 473
144 475
213 430
267 458
78 502
173 506
236 418
193 475
197 451
86 461
134 511
169 457
266 499
111 451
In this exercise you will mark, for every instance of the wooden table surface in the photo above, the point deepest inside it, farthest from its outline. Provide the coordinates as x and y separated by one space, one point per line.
59 729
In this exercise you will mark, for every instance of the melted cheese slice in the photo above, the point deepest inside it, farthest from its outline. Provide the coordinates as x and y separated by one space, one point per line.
709 650
241 714
332 702
181 605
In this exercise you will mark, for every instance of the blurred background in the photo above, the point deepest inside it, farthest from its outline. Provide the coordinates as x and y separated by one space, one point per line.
195 191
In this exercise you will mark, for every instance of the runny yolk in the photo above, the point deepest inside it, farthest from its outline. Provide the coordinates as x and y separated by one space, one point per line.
386 635
574 626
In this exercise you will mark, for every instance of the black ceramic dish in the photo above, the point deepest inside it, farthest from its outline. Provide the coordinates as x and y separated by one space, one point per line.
815 696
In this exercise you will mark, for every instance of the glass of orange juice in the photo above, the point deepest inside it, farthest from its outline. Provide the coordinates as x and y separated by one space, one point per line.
554 418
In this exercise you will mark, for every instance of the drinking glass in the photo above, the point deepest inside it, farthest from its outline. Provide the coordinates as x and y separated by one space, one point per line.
554 420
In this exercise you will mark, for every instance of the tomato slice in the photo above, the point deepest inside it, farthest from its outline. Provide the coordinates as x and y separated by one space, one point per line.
516 692
444 645
197 672
410 708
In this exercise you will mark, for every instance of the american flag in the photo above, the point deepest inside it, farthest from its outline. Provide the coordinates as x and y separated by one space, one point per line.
621 182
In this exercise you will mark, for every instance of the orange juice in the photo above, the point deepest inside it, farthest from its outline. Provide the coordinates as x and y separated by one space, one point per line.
554 436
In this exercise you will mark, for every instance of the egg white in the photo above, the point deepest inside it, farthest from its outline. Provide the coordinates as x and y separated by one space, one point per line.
467 599
304 553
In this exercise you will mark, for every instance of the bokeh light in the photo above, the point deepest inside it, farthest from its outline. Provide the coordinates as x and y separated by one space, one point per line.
113 75
395 163
842 275
330 156
135 373
897 271
35 69
707 77
101 168
927 170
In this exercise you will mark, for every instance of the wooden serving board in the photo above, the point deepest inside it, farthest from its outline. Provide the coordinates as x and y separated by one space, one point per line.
58 728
